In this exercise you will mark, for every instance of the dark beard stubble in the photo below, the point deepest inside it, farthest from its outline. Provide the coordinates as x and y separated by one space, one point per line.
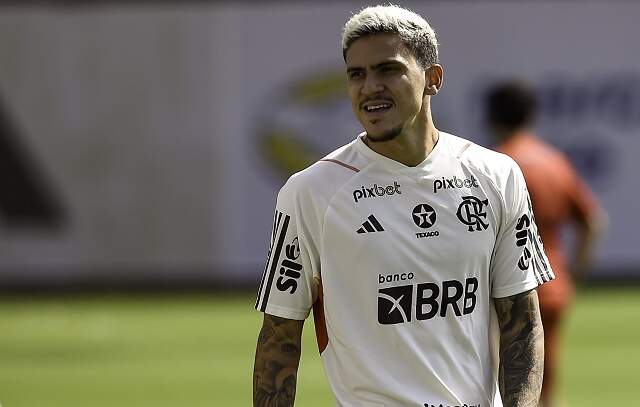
386 136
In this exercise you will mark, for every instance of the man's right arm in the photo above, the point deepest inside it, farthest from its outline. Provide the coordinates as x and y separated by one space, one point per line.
276 365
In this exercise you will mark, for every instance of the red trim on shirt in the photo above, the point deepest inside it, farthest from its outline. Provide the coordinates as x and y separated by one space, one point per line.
463 149
341 163
318 318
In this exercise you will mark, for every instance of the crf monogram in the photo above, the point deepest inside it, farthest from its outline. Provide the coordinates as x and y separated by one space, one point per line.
472 211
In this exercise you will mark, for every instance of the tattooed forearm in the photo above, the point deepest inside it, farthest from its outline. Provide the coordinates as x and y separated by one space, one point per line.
521 349
276 365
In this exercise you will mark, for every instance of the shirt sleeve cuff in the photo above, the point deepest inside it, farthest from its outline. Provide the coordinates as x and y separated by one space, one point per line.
514 289
289 313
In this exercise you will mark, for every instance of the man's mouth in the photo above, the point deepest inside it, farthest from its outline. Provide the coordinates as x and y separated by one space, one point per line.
376 107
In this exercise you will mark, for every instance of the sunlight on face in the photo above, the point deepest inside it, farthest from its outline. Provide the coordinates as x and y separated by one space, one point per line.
386 85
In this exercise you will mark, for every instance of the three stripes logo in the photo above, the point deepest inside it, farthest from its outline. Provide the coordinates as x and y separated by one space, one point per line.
278 235
371 225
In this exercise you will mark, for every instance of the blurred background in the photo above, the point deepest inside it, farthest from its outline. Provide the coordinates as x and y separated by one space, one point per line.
142 144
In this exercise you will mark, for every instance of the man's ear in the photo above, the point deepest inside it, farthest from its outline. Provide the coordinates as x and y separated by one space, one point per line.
433 79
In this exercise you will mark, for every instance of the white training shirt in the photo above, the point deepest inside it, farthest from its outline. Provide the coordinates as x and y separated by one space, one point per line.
403 262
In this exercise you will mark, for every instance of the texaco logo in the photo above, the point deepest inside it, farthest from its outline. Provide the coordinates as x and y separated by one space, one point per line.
424 216
472 211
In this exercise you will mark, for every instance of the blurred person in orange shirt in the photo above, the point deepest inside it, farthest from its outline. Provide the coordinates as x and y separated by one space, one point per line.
559 196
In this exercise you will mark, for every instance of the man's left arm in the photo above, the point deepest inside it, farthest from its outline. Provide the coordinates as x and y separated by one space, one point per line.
521 349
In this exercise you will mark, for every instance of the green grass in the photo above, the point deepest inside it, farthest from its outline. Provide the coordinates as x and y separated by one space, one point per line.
99 351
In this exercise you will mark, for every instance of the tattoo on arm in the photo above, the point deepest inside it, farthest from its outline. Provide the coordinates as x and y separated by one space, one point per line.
521 349
276 365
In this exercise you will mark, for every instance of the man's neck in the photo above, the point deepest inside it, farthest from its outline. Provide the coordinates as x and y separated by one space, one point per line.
411 147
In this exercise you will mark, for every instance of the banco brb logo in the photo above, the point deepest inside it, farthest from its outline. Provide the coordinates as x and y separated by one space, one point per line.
396 304
472 213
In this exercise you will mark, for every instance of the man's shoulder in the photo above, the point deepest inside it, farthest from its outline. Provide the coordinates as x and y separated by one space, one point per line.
486 162
327 175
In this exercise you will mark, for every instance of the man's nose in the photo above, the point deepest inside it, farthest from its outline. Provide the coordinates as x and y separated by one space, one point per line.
372 85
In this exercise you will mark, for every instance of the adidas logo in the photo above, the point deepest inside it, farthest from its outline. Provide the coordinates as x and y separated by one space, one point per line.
371 225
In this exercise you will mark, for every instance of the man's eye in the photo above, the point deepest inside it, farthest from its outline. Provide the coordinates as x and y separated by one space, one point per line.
355 75
388 69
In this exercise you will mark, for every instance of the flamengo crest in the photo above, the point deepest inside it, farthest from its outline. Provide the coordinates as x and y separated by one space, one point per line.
472 212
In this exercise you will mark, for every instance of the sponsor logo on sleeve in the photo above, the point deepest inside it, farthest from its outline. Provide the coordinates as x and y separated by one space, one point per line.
522 234
452 405
527 237
290 268
376 191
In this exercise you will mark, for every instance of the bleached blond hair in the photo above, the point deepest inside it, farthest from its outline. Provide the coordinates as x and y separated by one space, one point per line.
413 30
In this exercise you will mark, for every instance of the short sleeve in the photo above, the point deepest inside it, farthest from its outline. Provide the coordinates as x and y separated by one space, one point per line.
288 288
519 262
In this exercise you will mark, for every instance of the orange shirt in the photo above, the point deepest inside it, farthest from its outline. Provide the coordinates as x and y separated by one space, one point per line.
558 196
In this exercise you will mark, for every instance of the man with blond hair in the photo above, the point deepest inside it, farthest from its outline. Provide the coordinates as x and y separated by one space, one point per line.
416 249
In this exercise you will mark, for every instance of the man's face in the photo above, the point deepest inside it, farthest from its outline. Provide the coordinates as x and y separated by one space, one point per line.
386 85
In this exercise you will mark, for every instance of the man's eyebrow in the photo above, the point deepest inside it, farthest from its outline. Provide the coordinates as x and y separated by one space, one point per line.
385 63
374 67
